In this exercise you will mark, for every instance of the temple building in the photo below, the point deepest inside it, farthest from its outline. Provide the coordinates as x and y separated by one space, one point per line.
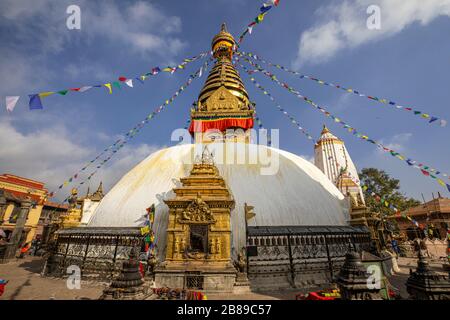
432 218
331 156
224 205
16 190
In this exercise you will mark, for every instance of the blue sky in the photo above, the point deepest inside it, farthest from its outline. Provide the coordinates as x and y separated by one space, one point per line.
407 61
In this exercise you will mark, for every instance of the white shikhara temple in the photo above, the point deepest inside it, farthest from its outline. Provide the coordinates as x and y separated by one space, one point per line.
332 158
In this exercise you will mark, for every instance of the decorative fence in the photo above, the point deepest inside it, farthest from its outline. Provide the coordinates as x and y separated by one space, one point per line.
98 252
300 256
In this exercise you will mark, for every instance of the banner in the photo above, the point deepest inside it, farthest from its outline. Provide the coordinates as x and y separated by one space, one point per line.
259 18
220 123
36 102
426 170
11 102
387 204
114 148
425 116
292 119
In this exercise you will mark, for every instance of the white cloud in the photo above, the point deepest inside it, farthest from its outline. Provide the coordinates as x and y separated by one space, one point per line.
343 25
140 27
52 155
397 142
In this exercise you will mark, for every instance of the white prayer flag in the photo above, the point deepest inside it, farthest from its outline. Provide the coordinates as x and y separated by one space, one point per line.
11 102
85 88
129 82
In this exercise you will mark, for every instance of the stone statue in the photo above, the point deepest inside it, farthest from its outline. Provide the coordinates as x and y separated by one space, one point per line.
177 246
212 248
152 261
183 245
242 261
73 198
218 246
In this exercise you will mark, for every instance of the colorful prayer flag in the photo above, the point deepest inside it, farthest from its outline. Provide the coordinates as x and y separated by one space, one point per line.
129 82
35 102
11 102
108 85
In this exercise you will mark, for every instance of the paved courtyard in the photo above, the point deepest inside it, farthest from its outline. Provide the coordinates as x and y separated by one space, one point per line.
26 283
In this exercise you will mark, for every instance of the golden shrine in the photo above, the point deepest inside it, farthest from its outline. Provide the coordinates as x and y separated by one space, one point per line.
81 208
199 231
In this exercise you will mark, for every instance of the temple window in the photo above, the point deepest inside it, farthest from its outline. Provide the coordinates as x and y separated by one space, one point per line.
199 238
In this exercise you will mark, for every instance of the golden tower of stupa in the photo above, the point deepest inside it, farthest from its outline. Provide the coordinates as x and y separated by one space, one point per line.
223 102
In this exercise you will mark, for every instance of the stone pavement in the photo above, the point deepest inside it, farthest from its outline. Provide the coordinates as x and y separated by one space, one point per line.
26 283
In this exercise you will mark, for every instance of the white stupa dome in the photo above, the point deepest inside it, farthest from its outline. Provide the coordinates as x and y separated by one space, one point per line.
295 193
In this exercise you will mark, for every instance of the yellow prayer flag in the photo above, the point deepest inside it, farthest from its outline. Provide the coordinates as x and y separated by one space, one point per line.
108 85
45 94
145 230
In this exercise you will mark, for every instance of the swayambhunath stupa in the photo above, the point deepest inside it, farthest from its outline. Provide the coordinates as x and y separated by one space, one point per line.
226 212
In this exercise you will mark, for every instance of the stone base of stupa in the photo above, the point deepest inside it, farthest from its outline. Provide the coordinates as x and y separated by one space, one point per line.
242 284
196 277
136 293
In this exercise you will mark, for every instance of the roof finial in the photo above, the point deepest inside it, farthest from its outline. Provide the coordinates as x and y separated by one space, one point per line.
325 129
224 27
100 187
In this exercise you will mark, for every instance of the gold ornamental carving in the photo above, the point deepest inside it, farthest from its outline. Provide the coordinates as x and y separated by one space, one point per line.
197 212
223 100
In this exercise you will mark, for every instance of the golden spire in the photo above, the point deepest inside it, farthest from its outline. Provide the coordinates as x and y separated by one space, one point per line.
223 73
325 130
223 102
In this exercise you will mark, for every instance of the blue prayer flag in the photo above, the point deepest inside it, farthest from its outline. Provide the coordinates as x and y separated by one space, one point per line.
35 102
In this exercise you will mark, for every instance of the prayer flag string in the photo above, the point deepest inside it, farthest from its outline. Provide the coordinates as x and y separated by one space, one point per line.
387 204
35 100
425 116
130 134
425 169
268 5
266 93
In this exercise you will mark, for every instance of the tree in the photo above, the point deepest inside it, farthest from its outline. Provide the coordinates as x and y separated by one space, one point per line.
385 188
